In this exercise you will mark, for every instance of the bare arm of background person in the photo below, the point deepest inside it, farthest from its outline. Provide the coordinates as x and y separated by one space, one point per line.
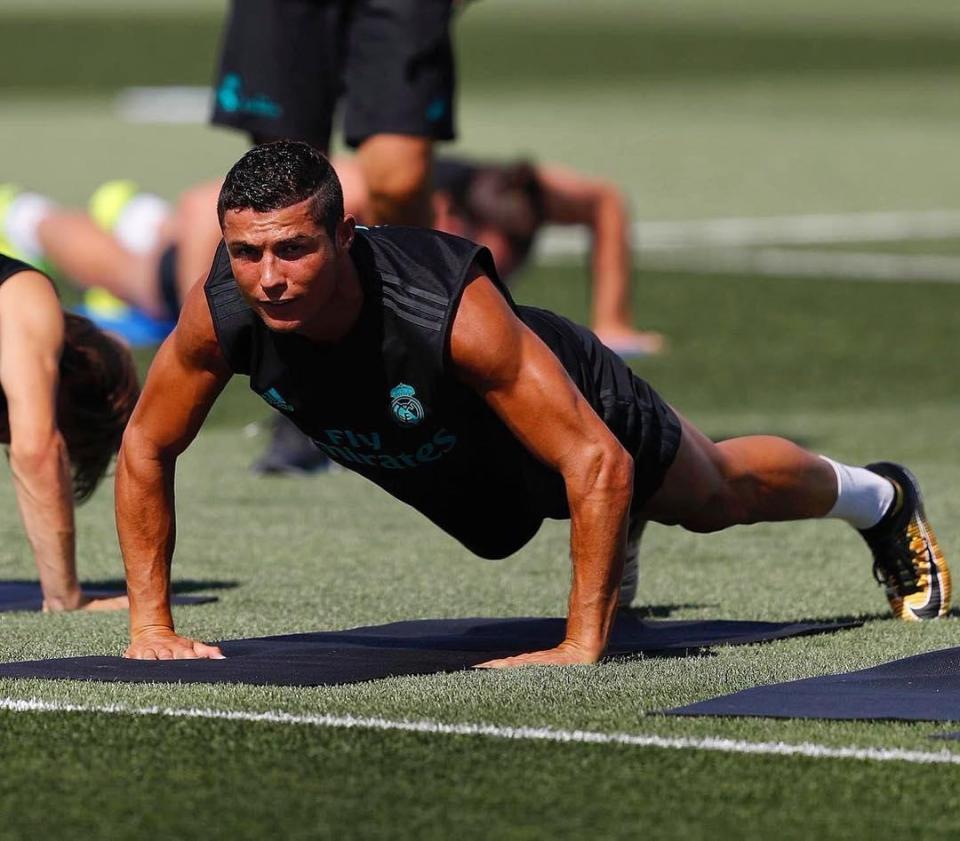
31 340
525 384
185 379
571 198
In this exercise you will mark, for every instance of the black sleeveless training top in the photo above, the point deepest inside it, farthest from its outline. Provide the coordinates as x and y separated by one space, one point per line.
9 266
383 401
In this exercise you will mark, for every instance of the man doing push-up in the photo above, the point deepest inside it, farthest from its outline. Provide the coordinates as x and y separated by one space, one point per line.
401 354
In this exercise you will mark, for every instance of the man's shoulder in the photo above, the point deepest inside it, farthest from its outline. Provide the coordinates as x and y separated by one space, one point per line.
409 238
228 315
221 291
424 256
29 301
220 272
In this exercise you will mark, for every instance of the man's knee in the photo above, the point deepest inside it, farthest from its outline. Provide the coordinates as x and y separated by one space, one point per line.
732 501
401 187
397 174
395 190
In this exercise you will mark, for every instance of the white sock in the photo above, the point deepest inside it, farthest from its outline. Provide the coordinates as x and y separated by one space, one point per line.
140 222
22 221
863 497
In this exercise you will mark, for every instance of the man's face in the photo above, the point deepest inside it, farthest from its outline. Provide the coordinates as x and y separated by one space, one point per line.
285 264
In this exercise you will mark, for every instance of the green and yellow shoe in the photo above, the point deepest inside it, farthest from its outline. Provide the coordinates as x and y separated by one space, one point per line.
108 201
105 206
8 192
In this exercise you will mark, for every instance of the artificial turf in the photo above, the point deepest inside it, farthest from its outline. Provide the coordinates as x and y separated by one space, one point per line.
333 551
697 111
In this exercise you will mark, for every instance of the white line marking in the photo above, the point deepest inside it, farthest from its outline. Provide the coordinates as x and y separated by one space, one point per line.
175 104
787 262
493 731
802 229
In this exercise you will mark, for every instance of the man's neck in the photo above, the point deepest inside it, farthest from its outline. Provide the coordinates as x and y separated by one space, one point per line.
342 311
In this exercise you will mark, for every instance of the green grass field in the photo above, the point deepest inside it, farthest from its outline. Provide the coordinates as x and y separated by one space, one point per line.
775 108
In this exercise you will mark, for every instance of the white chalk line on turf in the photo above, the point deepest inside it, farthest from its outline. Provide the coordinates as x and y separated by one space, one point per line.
753 231
494 731
792 262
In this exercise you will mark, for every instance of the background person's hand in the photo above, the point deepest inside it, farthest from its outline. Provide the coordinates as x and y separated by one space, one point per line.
78 600
164 644
103 603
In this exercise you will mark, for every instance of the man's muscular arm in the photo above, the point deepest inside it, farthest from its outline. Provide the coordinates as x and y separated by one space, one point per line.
31 340
186 377
525 384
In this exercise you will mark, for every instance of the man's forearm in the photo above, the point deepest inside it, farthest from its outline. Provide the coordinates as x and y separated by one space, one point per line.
598 533
146 528
45 499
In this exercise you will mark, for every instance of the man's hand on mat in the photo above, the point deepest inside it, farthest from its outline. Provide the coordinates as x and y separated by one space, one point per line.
164 644
566 654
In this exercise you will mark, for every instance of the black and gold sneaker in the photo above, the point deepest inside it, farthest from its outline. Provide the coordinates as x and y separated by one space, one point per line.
906 557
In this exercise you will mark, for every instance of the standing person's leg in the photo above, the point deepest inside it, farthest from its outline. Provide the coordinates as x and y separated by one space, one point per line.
711 486
396 168
400 91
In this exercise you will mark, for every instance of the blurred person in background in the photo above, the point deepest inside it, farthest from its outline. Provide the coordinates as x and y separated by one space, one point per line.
68 391
148 253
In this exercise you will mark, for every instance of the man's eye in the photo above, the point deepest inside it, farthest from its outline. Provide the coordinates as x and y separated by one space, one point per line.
290 252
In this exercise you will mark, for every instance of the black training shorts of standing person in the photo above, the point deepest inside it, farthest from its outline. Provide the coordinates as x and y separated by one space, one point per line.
286 63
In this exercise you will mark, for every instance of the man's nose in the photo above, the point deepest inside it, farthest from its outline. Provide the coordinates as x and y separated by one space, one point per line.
272 281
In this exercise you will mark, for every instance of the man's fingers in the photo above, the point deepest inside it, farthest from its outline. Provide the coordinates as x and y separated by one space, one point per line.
174 648
559 656
211 652
503 663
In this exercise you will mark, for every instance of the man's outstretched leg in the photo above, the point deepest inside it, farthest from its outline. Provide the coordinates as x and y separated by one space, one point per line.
761 478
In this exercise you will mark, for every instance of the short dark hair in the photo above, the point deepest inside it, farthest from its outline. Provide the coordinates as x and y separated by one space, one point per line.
98 390
276 175
508 197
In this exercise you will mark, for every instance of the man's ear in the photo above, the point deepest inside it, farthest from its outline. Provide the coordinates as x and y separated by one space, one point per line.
346 230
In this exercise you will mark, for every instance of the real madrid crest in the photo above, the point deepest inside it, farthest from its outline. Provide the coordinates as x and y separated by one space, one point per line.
407 410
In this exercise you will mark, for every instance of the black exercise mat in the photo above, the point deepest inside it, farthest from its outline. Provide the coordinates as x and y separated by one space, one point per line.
401 648
26 596
925 687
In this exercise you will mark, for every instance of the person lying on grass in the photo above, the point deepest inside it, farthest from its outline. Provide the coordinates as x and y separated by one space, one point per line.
68 390
135 247
401 354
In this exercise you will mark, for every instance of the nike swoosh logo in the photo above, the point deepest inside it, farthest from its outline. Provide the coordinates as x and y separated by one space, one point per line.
931 609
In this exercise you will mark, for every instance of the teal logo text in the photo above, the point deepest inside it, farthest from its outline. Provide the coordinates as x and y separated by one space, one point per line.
232 99
274 398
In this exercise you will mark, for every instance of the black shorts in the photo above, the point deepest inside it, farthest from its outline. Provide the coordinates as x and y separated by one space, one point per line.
286 63
496 524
